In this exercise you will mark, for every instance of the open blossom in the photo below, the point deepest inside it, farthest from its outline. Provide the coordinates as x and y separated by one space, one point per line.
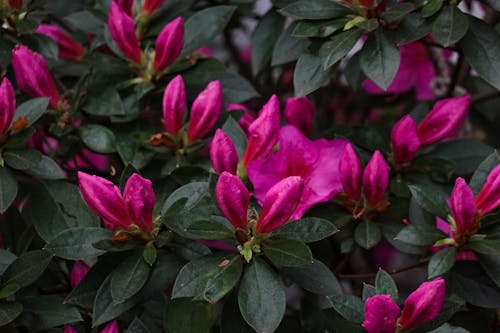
223 153
134 207
69 48
382 314
299 112
122 30
7 105
205 111
174 105
169 44
316 162
80 269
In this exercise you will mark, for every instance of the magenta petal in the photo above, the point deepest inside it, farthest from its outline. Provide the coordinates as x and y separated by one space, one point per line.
69 48
126 5
7 105
350 171
80 269
299 112
174 104
423 83
381 314
223 153
69 329
423 304
405 141
169 44
205 111
375 178
279 204
462 205
150 6
233 199
488 198
111 327
139 199
121 27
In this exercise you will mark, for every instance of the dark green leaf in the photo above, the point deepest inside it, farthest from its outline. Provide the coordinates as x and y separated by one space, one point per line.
22 159
367 234
193 192
50 311
431 8
32 109
450 26
9 311
318 28
234 131
491 264
288 48
199 228
128 278
368 291
98 138
47 168
288 253
9 290
185 316
479 176
137 326
486 246
397 12
314 9
309 75
163 274
76 243
475 287
314 277
8 189
412 28
150 254
431 199
441 262
384 284
420 234
350 307
340 44
104 102
308 230
27 268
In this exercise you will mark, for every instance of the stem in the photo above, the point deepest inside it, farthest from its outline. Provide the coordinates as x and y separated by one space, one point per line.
390 271
484 96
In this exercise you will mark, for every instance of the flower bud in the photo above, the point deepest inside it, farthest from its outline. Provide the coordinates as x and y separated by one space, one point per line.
299 112
69 48
174 104
444 121
263 132
246 120
462 206
405 141
279 204
7 105
126 6
350 171
233 199
375 178
150 6
16 4
423 304
139 199
32 75
223 153
80 269
111 327
169 44
121 27
488 198
205 111
381 314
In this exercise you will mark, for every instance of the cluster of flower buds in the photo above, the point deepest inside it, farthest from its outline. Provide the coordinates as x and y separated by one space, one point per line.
383 315
443 122
69 48
364 191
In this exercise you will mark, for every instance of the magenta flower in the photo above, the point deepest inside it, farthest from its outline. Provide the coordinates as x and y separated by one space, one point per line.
246 120
150 6
233 199
32 75
463 207
415 71
375 178
69 329
205 111
315 162
69 48
174 104
350 171
404 139
135 207
126 6
7 105
444 121
111 327
381 314
223 153
488 198
299 112
121 27
80 269
169 44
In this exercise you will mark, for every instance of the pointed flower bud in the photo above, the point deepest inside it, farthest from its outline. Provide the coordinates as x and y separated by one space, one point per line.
150 6
69 48
32 75
121 27
381 314
488 198
7 105
375 178
80 269
423 304
405 141
444 121
263 133
139 198
233 199
299 112
223 153
205 111
126 5
463 207
350 171
69 329
111 327
174 104
169 44
279 204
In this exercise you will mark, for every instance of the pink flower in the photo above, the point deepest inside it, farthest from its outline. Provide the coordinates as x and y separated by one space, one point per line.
316 162
205 111
32 75
121 27
69 48
375 178
7 105
381 314
444 121
246 120
415 71
168 44
299 112
69 329
111 327
233 199
174 104
405 141
126 6
223 153
488 198
150 6
350 171
135 207
80 269
463 207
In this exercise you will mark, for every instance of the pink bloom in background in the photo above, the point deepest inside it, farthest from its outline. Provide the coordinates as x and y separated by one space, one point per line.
111 327
121 27
416 71
174 105
117 211
382 314
169 44
488 198
405 141
299 112
32 75
205 111
69 48
69 329
7 105
223 153
80 269
246 120
315 161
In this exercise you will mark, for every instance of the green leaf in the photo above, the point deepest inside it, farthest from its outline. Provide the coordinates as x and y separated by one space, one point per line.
22 159
261 297
193 192
128 278
150 254
479 176
199 228
50 311
308 230
339 45
32 109
491 264
98 138
314 277
308 75
137 326
27 268
288 48
234 131
475 287
202 27
76 243
431 199
485 246
420 234
441 262
288 253
266 35
318 28
9 311
8 189
185 316
380 59
481 46
367 234
104 102
314 9
384 284
9 290
411 28
397 12
47 168
350 307
450 26
369 291
431 8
